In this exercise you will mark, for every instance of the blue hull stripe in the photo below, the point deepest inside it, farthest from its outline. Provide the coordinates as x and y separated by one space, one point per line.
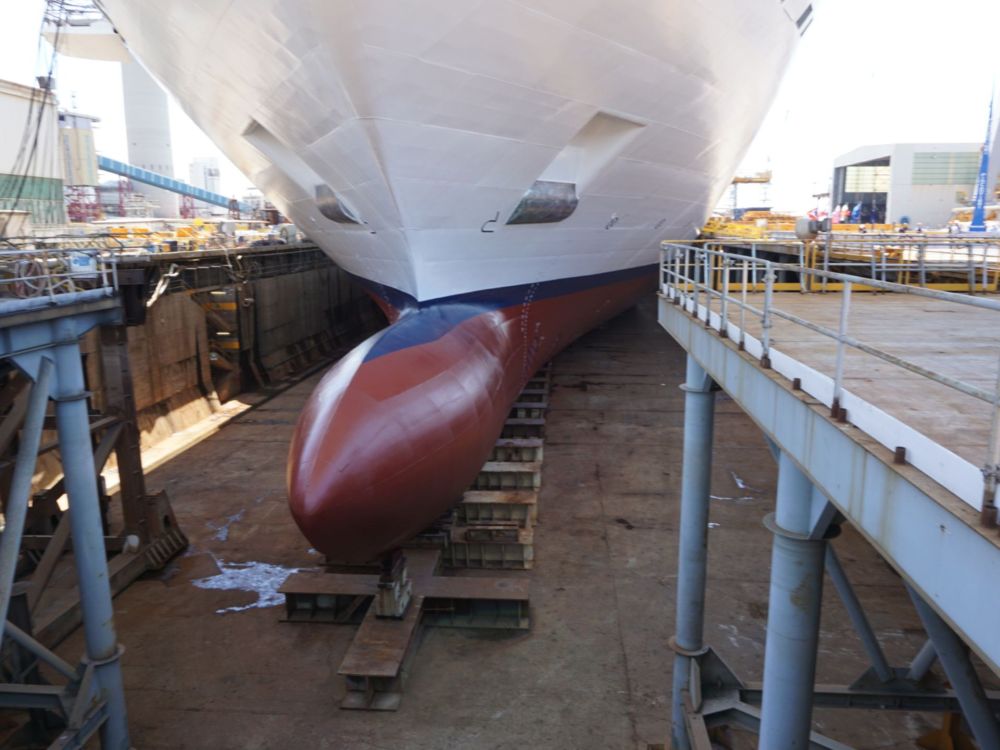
423 322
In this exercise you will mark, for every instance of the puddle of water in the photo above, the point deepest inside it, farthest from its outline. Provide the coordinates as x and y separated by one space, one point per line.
262 579
741 499
740 483
222 530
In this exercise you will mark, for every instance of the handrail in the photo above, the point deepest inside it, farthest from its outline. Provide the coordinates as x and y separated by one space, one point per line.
690 274
32 274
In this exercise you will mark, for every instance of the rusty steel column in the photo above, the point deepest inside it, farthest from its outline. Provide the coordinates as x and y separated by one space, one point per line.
692 566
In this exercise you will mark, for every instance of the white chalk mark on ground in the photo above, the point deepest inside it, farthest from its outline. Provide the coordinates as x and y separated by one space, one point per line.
222 530
713 525
262 579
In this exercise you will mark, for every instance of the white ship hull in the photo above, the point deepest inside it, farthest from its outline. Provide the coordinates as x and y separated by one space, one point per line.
428 121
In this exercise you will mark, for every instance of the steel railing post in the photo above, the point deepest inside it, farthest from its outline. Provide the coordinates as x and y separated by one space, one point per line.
985 273
922 262
724 314
47 276
971 262
695 266
679 288
802 264
708 288
991 471
766 323
743 305
838 373
689 284
826 257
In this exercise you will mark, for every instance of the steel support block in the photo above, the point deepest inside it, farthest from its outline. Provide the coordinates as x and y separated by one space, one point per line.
699 408
793 614
954 656
73 426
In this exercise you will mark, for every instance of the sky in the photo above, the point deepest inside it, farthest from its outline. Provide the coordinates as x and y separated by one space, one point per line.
867 71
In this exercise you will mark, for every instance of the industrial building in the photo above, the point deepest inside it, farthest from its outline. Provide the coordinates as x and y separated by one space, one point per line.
31 171
909 183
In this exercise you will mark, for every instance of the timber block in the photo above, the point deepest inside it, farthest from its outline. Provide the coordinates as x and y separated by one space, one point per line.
498 506
509 475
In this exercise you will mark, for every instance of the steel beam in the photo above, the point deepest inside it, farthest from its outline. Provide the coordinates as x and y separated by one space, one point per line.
930 536
922 662
894 698
88 535
858 617
699 408
954 658
792 615
16 505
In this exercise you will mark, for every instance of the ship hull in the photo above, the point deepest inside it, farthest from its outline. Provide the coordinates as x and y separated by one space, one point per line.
404 137
499 172
398 429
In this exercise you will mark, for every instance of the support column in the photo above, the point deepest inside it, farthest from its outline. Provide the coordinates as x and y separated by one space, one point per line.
88 534
793 615
954 656
699 409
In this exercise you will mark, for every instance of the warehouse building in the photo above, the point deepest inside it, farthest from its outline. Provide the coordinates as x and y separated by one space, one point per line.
31 185
908 182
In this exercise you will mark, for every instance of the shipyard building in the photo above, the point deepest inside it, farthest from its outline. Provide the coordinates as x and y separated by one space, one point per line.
31 184
908 183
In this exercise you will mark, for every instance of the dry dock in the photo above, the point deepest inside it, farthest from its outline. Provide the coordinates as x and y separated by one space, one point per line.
204 668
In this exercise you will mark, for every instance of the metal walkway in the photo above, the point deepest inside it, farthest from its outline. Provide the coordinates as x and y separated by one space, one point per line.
842 459
166 183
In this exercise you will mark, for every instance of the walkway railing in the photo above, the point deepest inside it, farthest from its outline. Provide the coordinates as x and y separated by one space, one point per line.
715 285
34 275
947 262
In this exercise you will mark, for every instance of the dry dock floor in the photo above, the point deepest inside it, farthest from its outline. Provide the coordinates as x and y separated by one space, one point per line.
595 670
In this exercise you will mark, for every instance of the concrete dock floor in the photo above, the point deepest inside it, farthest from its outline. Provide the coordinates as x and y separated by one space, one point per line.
594 672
